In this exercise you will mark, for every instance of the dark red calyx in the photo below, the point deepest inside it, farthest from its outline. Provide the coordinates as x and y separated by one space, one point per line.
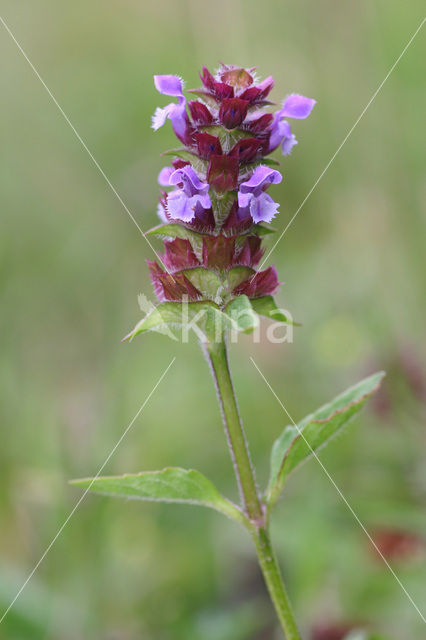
207 79
232 112
263 283
261 124
203 222
222 173
218 252
246 149
178 254
251 94
171 287
234 224
178 163
208 145
265 88
250 254
218 89
200 113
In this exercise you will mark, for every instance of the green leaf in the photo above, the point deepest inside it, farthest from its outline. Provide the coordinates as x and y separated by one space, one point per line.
266 306
242 314
197 163
169 485
173 231
297 443
271 162
261 230
179 231
204 317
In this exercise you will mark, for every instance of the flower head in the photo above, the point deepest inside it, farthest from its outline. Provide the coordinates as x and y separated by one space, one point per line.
217 185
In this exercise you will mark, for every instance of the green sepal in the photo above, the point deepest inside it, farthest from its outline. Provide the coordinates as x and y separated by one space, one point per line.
266 306
222 205
298 442
197 163
206 281
237 275
172 484
242 314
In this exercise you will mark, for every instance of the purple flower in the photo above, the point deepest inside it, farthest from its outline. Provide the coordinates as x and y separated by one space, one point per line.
191 194
281 134
252 196
294 106
171 86
164 176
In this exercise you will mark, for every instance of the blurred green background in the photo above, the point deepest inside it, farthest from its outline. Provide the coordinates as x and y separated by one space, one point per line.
72 264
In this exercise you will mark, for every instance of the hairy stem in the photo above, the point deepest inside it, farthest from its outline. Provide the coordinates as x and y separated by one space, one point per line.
217 356
274 582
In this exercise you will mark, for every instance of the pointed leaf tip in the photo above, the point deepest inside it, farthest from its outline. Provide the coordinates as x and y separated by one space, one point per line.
172 484
299 442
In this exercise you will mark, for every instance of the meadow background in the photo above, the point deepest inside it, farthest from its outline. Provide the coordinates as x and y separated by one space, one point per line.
72 264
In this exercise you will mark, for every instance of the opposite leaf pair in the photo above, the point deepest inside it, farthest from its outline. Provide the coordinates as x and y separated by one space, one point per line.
296 444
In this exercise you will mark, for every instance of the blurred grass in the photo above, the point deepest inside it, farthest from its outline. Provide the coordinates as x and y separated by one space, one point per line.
72 264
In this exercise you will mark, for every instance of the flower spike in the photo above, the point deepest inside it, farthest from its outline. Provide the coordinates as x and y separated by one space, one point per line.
215 203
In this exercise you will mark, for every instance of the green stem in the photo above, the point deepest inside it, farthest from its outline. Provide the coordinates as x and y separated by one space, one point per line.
217 356
274 582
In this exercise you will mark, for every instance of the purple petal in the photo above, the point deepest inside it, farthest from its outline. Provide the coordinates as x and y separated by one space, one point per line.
288 140
192 185
296 106
169 85
160 116
262 176
275 136
179 120
180 207
281 134
164 176
287 144
244 199
204 200
263 208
